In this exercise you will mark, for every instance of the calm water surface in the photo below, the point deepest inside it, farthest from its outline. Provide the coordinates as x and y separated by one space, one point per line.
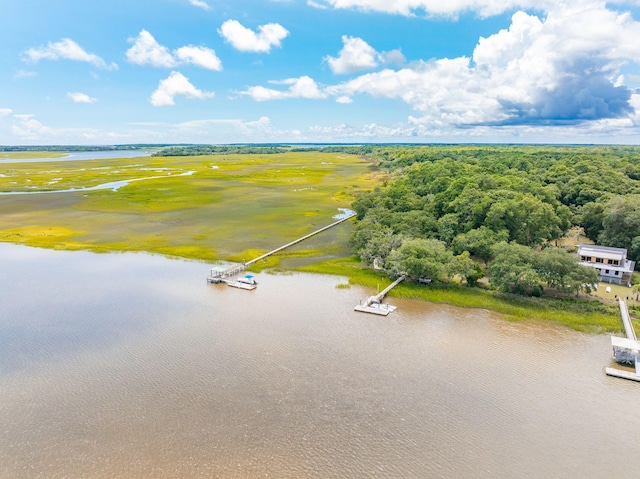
83 155
132 366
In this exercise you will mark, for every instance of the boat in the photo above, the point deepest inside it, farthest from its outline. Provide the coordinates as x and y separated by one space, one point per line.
248 279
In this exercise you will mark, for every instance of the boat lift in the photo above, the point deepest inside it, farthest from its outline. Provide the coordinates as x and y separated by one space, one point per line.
626 351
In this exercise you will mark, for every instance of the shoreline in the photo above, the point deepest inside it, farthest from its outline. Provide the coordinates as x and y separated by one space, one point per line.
587 316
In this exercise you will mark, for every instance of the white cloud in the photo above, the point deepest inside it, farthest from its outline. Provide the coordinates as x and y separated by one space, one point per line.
436 7
147 51
78 97
199 56
564 69
200 4
20 74
66 49
303 87
345 100
311 3
246 40
356 55
5 112
393 57
176 84
30 128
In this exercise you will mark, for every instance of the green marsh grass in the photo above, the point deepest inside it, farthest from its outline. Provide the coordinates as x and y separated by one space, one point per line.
581 315
230 204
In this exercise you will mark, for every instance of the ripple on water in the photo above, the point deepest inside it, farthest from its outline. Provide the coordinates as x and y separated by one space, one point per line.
132 366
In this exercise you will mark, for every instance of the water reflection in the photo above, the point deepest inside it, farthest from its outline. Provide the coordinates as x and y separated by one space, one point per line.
146 371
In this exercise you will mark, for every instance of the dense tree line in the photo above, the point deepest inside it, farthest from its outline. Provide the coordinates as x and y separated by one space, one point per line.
198 150
66 148
504 206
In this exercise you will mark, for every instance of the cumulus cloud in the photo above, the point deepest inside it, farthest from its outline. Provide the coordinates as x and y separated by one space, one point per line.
345 100
246 40
147 51
30 128
78 97
200 4
5 112
357 55
562 69
199 56
176 84
66 49
303 87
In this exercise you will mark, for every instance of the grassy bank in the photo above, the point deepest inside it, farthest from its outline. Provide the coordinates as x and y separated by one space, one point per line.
581 315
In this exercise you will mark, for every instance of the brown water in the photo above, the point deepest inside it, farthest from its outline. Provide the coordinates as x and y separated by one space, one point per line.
132 366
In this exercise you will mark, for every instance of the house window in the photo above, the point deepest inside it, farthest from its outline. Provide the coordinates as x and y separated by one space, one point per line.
583 258
598 260
606 271
615 262
616 273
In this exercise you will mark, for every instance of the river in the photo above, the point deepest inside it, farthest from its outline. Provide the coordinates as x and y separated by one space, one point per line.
132 366
83 155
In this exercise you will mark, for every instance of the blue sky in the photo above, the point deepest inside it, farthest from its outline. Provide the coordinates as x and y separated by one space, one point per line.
245 71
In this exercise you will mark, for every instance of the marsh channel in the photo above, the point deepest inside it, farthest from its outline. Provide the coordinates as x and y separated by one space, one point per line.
132 366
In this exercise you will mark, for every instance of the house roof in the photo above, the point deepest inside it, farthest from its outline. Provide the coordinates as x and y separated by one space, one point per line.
602 251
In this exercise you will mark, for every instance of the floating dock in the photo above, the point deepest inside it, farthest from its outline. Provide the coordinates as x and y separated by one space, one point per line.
374 304
626 351
239 285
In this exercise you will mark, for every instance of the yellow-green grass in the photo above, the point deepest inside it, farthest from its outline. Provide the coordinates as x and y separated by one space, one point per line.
24 155
228 205
581 315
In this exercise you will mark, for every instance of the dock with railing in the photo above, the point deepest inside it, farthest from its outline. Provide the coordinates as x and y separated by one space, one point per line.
227 275
626 350
374 305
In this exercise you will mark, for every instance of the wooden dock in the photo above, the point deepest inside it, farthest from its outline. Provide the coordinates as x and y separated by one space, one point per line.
374 304
227 275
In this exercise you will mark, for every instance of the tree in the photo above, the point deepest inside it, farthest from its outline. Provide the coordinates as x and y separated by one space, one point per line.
420 258
591 218
468 269
511 270
372 241
479 242
621 222
562 271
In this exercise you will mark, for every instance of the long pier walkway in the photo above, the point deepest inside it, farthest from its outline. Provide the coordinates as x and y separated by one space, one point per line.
374 305
626 320
223 276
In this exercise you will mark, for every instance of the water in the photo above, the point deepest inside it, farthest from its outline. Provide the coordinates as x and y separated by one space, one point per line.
112 185
132 366
83 155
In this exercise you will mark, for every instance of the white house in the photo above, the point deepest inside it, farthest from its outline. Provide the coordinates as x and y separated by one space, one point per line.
612 263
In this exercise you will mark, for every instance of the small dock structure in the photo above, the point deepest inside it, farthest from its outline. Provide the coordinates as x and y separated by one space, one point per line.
222 275
626 351
374 304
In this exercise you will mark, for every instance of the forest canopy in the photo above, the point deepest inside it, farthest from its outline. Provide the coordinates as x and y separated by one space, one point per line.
503 206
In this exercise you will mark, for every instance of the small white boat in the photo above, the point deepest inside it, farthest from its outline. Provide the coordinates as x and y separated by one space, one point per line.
248 279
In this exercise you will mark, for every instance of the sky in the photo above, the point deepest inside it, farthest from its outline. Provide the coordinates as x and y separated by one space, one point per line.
319 71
